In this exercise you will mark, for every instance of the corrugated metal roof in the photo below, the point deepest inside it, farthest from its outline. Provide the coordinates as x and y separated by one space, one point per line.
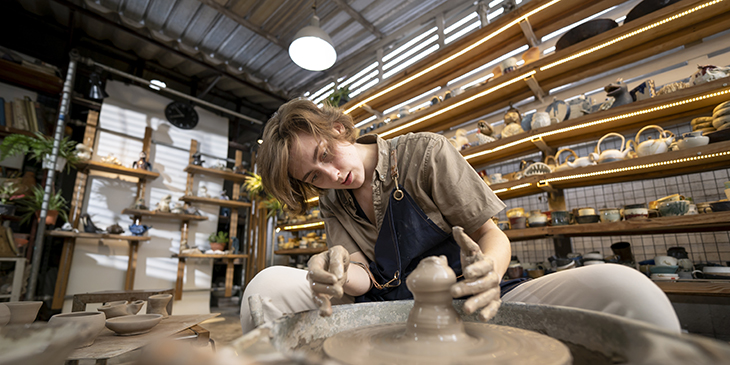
247 37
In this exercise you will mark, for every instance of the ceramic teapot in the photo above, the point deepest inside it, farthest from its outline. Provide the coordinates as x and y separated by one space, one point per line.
689 140
577 162
613 154
564 166
653 146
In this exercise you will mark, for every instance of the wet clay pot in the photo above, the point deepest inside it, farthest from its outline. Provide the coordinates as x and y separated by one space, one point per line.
23 312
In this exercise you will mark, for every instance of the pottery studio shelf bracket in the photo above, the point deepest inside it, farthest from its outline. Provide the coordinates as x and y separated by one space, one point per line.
229 259
69 241
535 88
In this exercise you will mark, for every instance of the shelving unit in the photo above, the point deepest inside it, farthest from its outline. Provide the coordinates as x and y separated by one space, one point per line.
228 259
16 74
69 238
719 221
308 225
301 251
161 215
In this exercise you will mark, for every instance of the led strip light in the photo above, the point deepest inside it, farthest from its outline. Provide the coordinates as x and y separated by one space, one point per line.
452 57
302 226
597 122
456 105
629 35
613 171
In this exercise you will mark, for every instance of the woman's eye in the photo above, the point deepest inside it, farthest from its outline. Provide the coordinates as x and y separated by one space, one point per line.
324 155
314 177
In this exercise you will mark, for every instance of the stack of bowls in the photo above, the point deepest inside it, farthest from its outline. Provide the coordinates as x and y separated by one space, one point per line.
702 125
721 116
665 268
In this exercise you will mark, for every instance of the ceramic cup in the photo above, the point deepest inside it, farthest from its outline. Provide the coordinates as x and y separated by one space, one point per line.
586 211
517 222
610 215
560 218
665 261
635 211
95 320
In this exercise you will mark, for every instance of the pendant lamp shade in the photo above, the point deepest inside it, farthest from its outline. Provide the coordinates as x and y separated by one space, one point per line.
312 48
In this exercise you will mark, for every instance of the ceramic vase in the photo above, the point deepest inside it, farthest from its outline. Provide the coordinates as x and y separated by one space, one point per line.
95 321
157 304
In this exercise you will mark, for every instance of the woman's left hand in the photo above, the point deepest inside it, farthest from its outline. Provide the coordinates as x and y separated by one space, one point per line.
480 280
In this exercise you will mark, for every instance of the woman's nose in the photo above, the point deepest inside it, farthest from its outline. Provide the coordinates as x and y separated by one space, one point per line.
333 174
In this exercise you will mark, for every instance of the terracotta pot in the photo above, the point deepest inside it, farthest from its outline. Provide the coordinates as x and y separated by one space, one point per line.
51 217
215 246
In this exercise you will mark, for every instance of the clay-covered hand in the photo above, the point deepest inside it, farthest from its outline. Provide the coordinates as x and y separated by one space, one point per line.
480 280
327 274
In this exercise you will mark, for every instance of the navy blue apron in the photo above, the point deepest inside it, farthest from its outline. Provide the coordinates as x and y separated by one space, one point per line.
406 236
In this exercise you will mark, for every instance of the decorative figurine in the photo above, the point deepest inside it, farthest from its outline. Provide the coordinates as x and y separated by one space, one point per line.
179 208
142 163
198 159
89 226
619 92
140 204
115 229
138 229
191 210
644 91
221 165
111 159
203 192
184 245
708 73
83 151
580 106
223 196
163 206
512 115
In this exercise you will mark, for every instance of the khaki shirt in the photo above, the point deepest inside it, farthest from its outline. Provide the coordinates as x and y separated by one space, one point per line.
436 176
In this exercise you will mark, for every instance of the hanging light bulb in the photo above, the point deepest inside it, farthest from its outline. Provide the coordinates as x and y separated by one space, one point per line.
312 48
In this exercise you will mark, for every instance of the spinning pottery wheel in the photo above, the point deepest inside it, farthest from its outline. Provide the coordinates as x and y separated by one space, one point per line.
435 334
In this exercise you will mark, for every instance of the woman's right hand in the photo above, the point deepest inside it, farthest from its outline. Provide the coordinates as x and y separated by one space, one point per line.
327 275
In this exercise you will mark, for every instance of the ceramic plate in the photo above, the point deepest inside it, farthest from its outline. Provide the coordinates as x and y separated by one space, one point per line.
721 112
716 270
702 125
701 120
718 121
722 106
558 110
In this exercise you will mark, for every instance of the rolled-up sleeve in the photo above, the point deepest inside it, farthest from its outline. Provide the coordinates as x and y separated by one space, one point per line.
463 198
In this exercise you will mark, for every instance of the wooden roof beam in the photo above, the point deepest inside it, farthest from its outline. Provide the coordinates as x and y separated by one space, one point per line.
342 4
244 22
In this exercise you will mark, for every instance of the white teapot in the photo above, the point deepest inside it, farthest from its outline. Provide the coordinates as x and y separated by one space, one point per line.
611 155
577 162
653 146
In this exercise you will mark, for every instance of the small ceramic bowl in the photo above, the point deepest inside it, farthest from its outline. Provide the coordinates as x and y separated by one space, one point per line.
664 277
665 261
720 206
560 218
586 211
636 211
133 325
583 219
610 215
673 208
517 222
663 269
23 312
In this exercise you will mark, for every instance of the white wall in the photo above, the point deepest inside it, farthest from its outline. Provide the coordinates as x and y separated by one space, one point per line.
101 264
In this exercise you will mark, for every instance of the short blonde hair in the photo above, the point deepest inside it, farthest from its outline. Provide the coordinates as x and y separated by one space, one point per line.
297 116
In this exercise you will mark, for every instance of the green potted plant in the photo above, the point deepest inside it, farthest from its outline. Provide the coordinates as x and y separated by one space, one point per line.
218 242
31 206
340 97
7 195
40 148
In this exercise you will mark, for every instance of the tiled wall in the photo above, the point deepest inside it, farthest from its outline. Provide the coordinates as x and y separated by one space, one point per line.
702 187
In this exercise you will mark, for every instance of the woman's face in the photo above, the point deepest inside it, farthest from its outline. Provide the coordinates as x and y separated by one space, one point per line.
326 166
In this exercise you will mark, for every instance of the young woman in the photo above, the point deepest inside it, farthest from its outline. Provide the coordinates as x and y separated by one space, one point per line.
388 204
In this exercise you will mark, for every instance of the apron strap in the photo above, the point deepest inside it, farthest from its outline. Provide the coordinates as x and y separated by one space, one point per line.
397 193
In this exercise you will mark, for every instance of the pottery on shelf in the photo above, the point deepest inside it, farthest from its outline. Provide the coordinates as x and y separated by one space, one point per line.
142 163
564 166
133 325
512 115
119 309
511 130
580 106
673 208
635 211
163 206
610 215
537 219
508 65
619 92
584 31
157 304
539 120
558 111
138 229
531 55
95 321
23 312
690 140
653 146
613 154
645 90
536 168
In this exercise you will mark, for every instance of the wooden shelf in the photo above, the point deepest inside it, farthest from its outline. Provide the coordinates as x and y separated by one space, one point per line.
219 202
719 221
29 78
498 92
13 218
655 166
714 288
86 166
230 176
300 251
172 216
221 219
210 256
67 234
553 18
308 225
582 129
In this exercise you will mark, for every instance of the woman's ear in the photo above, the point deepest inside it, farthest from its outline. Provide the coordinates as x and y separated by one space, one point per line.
339 128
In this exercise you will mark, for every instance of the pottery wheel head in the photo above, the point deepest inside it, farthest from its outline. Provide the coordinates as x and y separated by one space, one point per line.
435 333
